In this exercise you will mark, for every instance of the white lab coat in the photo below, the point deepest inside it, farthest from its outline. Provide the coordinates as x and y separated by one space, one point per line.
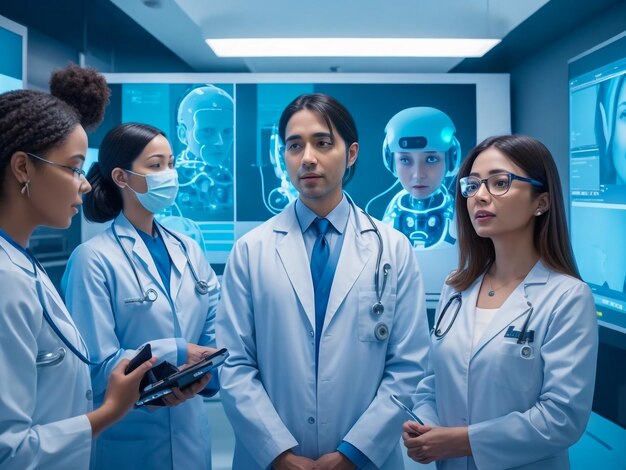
522 412
97 281
267 319
42 409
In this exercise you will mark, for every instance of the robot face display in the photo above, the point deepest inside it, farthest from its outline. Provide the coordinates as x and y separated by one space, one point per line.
421 130
420 173
205 124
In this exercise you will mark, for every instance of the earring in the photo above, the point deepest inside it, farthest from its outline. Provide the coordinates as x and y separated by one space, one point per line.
538 213
25 188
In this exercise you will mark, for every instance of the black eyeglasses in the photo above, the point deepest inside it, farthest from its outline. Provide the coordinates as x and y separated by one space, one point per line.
497 185
79 174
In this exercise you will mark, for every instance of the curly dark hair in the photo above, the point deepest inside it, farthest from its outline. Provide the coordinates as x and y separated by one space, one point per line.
35 122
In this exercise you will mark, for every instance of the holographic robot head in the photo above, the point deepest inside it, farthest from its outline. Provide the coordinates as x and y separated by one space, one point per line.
420 148
205 124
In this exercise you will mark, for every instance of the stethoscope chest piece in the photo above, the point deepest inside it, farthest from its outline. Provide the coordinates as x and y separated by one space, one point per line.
202 287
378 308
151 295
50 358
381 331
526 352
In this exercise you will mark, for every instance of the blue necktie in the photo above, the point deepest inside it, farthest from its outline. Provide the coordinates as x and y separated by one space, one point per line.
321 252
319 259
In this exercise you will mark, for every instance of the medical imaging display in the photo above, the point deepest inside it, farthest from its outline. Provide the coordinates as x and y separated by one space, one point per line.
10 60
198 120
598 176
231 168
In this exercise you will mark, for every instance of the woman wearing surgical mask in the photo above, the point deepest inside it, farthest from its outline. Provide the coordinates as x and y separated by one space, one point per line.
139 283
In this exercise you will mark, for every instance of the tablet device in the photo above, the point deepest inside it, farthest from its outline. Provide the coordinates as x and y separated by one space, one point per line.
182 378
144 354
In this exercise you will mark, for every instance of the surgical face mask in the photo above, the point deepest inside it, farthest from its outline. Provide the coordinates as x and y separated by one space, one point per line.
162 190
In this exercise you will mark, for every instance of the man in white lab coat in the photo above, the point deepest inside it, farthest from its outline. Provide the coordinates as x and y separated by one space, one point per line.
323 314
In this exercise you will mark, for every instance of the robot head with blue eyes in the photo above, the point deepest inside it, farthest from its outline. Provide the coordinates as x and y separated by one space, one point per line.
419 138
422 129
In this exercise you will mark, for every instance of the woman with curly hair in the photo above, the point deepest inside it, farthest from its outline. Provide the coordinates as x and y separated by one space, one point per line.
46 417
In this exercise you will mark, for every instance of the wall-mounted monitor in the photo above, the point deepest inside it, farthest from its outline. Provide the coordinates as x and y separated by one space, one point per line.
223 131
597 87
13 55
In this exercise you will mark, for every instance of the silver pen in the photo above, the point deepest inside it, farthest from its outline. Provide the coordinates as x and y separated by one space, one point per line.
408 410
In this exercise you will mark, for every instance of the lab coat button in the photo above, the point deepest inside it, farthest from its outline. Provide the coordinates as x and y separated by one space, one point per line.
311 420
311 333
89 395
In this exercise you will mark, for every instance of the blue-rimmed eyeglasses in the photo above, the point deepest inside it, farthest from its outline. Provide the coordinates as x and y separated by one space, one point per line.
497 185
79 174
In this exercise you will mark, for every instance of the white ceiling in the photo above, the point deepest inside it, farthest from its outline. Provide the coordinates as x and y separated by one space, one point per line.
183 25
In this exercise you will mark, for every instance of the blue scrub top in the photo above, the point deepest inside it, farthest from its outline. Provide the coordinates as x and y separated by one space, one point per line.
159 254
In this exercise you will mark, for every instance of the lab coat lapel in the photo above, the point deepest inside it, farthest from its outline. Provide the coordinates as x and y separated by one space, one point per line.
140 254
356 251
516 306
179 262
467 314
292 253
17 257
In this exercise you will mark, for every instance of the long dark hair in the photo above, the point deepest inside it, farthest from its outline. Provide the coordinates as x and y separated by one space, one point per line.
119 149
551 239
334 114
36 122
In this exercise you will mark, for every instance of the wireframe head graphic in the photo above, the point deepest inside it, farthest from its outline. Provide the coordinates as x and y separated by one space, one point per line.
205 124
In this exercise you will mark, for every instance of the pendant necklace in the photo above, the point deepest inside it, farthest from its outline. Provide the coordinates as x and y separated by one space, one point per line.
492 291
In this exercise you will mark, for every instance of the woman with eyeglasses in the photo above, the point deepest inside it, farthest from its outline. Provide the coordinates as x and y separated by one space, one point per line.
513 351
46 409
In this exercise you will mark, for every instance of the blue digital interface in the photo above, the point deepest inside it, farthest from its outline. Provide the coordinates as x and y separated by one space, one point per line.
232 174
10 60
598 178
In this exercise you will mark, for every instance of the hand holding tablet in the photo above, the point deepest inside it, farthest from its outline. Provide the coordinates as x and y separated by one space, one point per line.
181 378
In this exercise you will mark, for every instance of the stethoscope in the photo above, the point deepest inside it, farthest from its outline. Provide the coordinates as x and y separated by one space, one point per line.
50 358
457 300
150 295
381 329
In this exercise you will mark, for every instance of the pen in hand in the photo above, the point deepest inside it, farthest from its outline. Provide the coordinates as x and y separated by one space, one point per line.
408 410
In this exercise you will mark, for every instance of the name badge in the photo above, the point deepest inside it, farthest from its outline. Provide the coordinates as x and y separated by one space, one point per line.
513 333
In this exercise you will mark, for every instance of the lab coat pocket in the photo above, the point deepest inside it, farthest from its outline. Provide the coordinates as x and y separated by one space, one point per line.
375 327
516 366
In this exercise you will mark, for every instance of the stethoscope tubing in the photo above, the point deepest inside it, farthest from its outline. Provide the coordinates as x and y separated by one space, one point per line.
522 339
381 330
46 359
150 295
